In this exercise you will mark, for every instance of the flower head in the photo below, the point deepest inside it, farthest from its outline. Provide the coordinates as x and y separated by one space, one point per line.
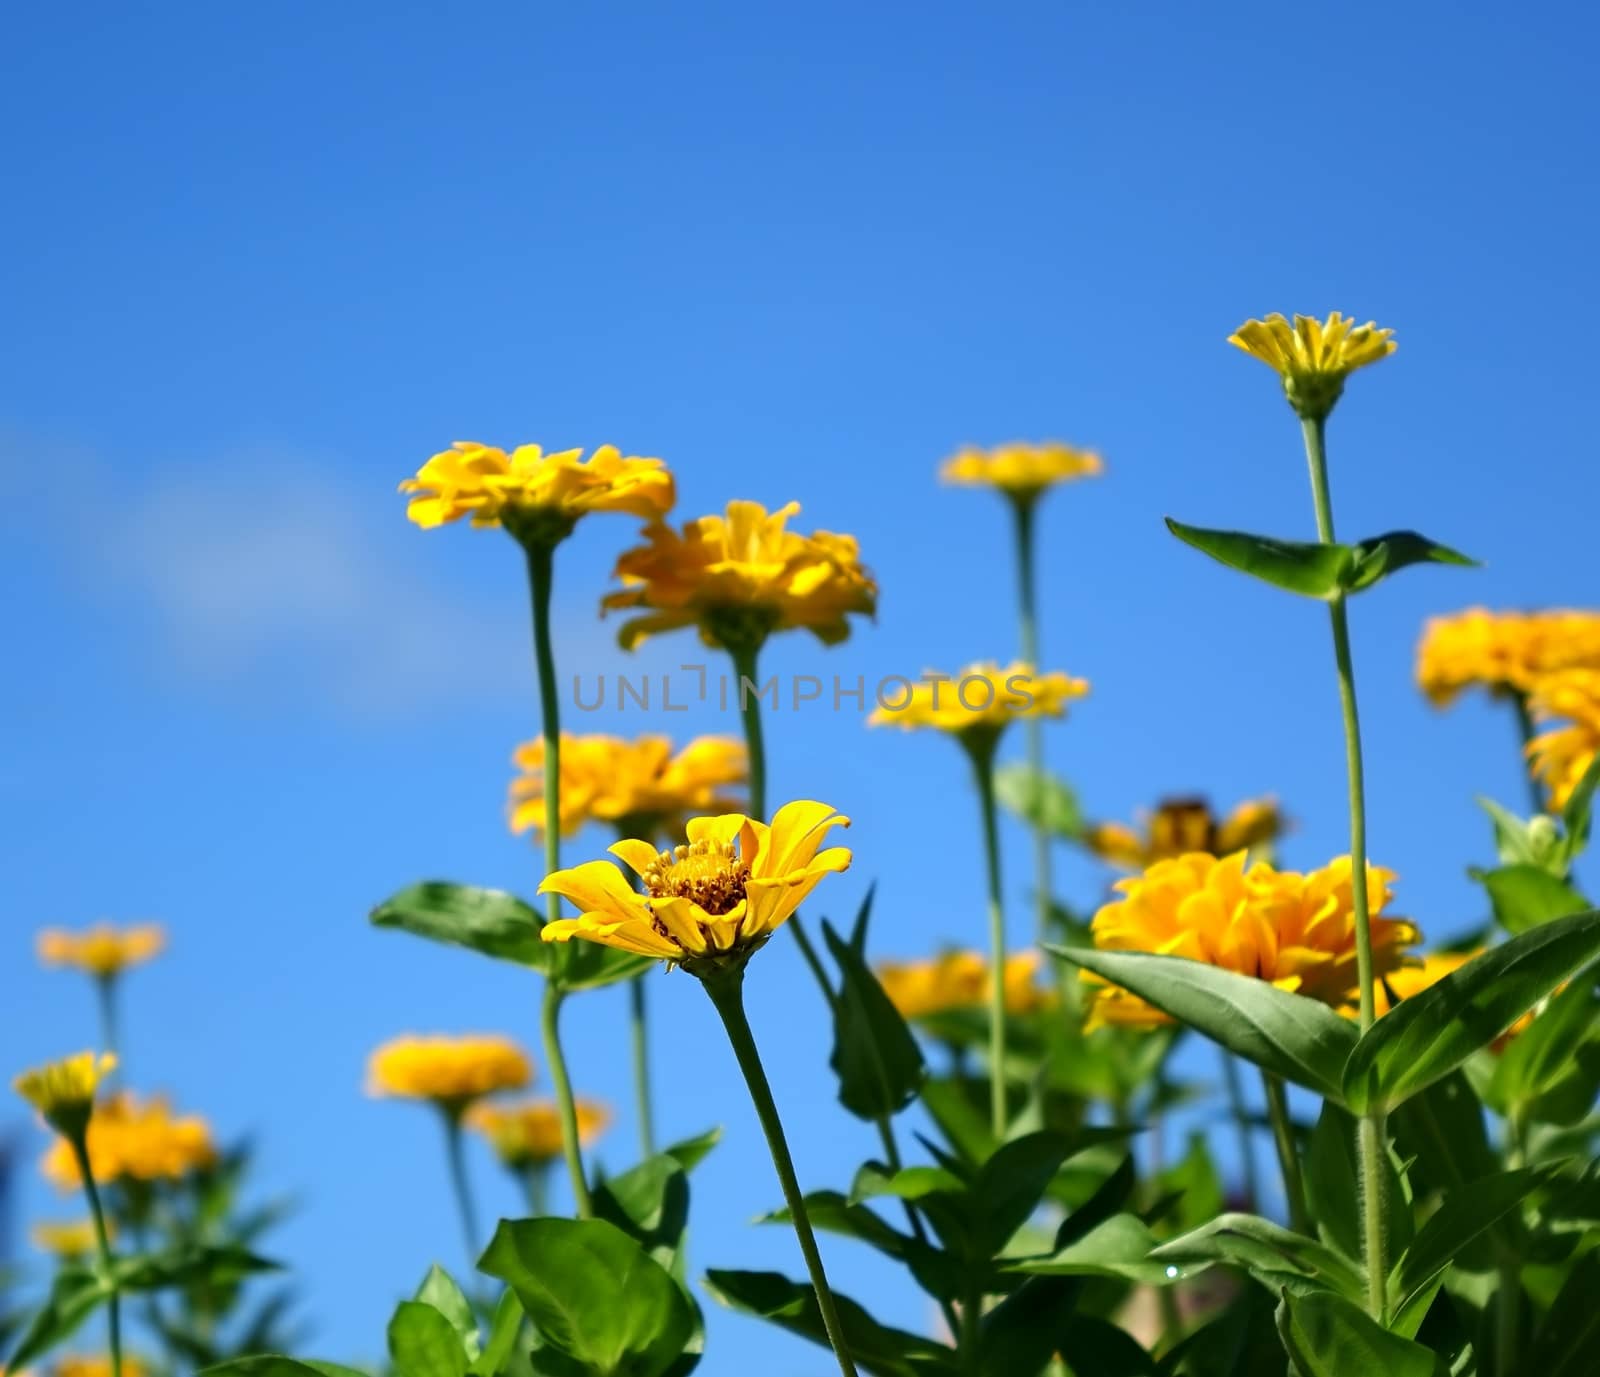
68 1239
536 496
1021 471
959 980
1295 930
638 783
977 704
529 1133
103 950
96 1365
63 1091
1503 652
740 577
707 905
1312 357
448 1071
1561 757
134 1140
1181 825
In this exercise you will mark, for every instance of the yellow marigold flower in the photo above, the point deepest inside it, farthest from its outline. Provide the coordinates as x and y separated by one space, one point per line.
639 784
63 1091
68 1238
97 1365
1312 357
535 495
1295 930
1181 825
102 950
959 980
981 700
133 1140
529 1133
449 1071
1503 652
1563 756
1021 470
707 905
741 577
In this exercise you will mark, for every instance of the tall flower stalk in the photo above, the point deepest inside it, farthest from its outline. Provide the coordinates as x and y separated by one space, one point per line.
981 749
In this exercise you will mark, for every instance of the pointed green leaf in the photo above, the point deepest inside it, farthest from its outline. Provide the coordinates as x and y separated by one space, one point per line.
1539 1057
1040 799
503 1331
1387 554
1328 1336
1009 1187
876 1058
1527 896
1465 1215
489 921
1116 1247
1576 814
1307 568
1268 1251
690 1152
1570 1335
423 1343
439 1289
75 1293
278 1365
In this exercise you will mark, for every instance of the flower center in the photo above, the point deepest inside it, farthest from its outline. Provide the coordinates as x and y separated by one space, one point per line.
707 873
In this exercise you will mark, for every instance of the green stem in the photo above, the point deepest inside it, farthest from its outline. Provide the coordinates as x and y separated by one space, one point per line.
1294 1186
726 992
1370 1137
1525 732
459 1184
1241 1122
744 667
1028 636
982 754
891 1156
102 1238
106 996
536 1181
561 1083
639 1026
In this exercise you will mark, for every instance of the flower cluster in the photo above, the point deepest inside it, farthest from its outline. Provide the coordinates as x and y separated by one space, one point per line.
448 1071
1313 357
979 702
1021 471
1180 826
955 980
135 1140
103 950
1503 652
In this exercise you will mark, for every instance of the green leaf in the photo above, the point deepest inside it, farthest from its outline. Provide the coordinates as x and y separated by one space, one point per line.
439 1289
875 1056
1312 570
1269 1252
1387 554
593 1294
592 966
876 1349
503 1332
1029 1326
75 1293
424 1343
278 1365
690 1152
936 1272
1431 1033
1040 799
1518 841
1097 1346
1332 1176
1009 1187
1539 1057
1116 1247
1328 1336
1525 897
490 921
186 1265
1299 1039
1576 816
1567 1340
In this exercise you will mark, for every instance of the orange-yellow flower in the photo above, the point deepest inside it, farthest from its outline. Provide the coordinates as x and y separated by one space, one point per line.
532 493
63 1091
135 1140
740 577
1313 357
1295 930
638 784
68 1239
1021 470
528 1133
1503 652
959 980
711 903
978 702
448 1071
1561 757
1181 825
102 950
96 1365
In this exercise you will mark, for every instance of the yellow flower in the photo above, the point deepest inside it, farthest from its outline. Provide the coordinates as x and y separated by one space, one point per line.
130 1140
1311 357
1295 930
535 495
68 1239
1021 470
1563 756
1503 652
977 703
639 784
709 904
63 1091
97 1365
449 1071
529 1133
741 577
959 980
1182 825
102 950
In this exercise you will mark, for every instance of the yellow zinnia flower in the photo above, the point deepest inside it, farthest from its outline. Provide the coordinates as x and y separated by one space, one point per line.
1295 930
741 577
710 904
1503 652
96 1365
1312 357
449 1071
102 950
1021 471
538 497
1563 756
977 703
959 980
638 784
133 1140
1181 825
63 1091
68 1239
529 1133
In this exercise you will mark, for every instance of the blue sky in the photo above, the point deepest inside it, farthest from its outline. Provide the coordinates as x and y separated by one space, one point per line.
263 260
